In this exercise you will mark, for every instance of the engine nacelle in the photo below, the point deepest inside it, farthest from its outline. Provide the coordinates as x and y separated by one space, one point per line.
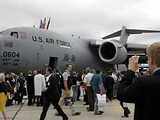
112 52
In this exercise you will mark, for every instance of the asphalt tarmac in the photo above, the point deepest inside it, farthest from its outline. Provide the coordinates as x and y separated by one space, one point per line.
112 111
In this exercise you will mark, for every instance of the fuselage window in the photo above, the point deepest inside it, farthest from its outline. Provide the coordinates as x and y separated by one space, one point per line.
14 34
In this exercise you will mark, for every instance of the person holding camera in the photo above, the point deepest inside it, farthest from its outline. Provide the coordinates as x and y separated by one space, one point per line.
143 90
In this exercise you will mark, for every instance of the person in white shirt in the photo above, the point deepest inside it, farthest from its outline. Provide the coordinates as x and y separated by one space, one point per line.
66 91
40 86
90 96
66 76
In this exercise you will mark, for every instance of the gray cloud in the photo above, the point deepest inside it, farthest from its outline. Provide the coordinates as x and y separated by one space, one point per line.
88 18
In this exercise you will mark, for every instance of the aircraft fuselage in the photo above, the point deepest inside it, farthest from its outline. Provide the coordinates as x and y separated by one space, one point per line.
31 48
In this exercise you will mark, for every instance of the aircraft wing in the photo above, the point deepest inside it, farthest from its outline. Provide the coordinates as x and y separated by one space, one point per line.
136 49
115 34
129 31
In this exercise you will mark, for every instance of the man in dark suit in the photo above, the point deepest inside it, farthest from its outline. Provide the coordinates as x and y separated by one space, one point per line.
52 95
108 83
143 90
30 87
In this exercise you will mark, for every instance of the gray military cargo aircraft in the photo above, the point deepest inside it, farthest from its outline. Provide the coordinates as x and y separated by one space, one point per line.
29 48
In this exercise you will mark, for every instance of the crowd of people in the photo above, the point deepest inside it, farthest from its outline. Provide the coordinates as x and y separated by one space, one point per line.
68 86
56 88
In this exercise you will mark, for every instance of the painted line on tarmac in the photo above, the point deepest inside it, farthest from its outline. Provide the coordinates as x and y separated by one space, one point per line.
19 109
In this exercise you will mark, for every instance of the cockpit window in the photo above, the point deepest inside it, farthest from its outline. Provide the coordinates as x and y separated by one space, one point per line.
14 34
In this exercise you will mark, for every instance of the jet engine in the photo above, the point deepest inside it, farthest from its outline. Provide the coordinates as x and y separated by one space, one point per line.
113 52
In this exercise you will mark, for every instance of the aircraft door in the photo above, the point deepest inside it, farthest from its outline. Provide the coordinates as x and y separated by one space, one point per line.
53 61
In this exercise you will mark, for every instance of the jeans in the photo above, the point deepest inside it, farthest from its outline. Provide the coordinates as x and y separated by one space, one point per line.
95 103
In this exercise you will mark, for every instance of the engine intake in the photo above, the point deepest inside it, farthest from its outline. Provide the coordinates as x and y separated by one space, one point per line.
112 52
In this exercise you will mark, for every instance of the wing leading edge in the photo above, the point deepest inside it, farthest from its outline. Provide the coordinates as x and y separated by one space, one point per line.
129 31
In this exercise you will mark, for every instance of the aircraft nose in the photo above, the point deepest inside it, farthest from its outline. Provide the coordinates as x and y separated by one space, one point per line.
1 43
6 44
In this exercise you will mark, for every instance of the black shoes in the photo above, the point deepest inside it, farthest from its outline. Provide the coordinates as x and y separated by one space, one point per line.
101 112
65 118
89 109
98 113
76 113
86 104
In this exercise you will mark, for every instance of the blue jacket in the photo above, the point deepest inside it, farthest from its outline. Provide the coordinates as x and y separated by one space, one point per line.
96 82
3 87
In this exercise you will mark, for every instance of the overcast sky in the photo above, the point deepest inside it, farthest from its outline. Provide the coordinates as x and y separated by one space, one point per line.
88 18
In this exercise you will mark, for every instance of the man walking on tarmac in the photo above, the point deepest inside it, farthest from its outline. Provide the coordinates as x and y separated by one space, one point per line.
52 95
